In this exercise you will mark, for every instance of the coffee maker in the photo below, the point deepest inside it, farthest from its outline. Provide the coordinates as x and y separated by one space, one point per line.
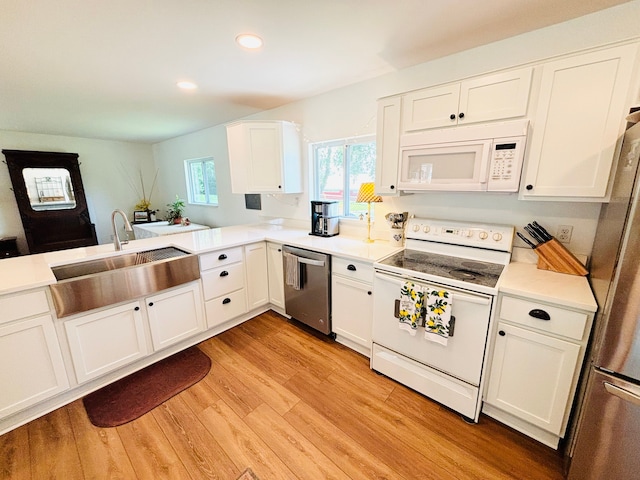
325 218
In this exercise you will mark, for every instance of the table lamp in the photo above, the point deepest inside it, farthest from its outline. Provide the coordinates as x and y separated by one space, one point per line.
366 195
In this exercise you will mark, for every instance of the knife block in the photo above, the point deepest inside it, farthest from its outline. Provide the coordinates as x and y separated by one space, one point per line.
552 255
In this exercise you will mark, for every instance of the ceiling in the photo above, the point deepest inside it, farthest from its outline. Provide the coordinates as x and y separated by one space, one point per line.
108 69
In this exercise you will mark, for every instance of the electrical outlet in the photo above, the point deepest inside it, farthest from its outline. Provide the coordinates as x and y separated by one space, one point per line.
564 233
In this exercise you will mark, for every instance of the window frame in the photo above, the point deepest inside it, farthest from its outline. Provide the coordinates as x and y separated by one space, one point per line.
345 143
189 180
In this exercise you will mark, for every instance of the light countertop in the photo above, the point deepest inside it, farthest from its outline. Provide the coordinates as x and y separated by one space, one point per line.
32 271
158 229
525 279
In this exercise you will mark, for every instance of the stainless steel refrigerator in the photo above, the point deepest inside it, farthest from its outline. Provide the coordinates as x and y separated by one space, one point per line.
607 443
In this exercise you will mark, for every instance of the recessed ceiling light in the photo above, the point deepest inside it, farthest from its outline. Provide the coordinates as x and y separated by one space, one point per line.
249 40
187 85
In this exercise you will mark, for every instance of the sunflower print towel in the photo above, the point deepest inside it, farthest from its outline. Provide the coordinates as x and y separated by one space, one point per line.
438 308
411 303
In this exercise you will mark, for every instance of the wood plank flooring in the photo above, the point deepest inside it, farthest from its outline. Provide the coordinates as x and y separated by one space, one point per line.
289 404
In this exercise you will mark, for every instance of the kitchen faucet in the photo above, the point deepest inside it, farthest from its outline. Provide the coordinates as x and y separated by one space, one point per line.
127 228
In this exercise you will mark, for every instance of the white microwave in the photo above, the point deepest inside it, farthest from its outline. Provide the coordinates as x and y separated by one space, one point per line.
484 158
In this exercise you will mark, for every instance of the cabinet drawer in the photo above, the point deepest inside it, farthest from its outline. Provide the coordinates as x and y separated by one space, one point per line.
23 305
561 322
219 258
226 307
222 280
353 269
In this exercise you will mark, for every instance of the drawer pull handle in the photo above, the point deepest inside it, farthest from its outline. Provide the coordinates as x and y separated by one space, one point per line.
151 304
369 292
539 314
224 273
501 333
222 256
351 267
226 300
136 309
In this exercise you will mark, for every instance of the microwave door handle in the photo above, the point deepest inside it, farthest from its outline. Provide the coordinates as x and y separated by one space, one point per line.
487 148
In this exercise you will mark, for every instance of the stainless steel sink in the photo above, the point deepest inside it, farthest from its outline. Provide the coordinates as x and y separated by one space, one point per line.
98 283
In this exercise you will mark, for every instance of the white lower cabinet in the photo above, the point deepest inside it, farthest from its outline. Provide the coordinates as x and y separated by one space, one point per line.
175 315
531 376
276 274
537 355
103 341
223 285
255 261
352 303
32 366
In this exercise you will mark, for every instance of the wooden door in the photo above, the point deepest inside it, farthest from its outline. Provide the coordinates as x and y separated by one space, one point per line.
50 196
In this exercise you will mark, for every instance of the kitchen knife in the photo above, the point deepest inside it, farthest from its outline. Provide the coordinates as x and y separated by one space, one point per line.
525 240
546 235
534 234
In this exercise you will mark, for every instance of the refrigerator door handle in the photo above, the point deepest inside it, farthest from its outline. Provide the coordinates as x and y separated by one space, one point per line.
625 395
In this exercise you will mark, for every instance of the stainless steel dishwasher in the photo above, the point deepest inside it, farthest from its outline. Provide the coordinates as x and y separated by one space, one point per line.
307 287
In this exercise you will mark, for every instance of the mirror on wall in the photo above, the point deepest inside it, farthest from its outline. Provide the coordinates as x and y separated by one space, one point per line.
50 196
49 188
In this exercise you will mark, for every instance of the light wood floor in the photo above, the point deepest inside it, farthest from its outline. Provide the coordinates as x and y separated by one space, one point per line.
288 404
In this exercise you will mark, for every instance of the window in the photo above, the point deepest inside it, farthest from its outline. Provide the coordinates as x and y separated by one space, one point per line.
340 167
201 181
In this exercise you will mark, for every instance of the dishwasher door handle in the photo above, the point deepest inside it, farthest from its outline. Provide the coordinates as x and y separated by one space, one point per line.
308 261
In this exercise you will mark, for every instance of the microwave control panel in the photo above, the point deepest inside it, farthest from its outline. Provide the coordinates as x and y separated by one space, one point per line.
505 165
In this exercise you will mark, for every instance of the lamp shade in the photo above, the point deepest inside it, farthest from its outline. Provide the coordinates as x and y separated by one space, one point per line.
366 194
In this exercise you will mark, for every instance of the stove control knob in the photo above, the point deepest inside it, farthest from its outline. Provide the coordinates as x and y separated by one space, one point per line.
426 229
468 233
497 236
483 235
416 228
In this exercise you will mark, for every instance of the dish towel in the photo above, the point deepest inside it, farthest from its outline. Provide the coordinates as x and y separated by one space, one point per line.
438 307
411 303
292 270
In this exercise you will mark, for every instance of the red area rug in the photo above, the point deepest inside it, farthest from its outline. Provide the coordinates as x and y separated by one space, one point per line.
142 391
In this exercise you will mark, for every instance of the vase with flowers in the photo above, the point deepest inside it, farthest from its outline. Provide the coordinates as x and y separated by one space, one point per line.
175 211
144 204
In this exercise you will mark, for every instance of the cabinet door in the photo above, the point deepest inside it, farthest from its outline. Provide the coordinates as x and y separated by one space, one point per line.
276 274
256 272
430 108
175 315
579 118
531 376
103 341
387 146
31 364
495 97
265 157
352 311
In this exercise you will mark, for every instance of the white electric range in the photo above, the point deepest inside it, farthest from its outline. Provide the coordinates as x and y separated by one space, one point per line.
466 260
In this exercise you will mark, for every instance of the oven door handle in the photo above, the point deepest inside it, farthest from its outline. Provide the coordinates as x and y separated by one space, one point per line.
479 300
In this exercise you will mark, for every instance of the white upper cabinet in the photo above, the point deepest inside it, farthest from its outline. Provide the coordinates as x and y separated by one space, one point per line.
490 97
387 146
579 118
264 157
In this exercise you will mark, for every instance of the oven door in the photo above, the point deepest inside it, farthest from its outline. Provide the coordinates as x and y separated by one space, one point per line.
460 166
463 355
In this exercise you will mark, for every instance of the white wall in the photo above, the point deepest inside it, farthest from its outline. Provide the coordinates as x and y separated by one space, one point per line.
351 111
106 169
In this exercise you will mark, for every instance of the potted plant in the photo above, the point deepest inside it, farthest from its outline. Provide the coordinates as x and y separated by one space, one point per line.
176 209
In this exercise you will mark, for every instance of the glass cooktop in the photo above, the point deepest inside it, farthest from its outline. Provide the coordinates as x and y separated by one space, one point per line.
461 269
